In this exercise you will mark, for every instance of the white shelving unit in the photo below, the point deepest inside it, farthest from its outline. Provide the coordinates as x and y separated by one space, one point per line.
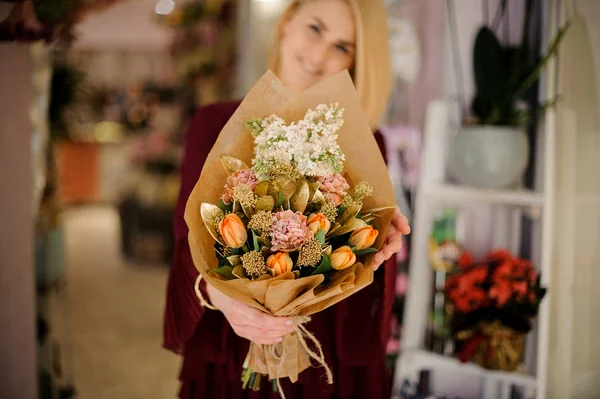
435 193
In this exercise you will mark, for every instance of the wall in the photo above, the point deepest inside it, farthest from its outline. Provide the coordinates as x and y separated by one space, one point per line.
574 363
17 307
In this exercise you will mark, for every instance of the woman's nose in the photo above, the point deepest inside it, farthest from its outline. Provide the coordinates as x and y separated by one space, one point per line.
317 56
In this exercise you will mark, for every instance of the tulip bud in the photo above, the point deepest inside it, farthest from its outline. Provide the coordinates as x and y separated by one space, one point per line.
233 231
280 262
318 221
342 258
363 238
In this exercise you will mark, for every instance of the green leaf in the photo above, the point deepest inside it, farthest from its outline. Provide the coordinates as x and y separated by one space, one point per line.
491 74
537 70
225 272
326 280
255 240
365 251
224 207
321 236
324 267
280 199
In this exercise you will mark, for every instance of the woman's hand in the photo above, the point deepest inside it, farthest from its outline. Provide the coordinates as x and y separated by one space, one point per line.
248 322
393 239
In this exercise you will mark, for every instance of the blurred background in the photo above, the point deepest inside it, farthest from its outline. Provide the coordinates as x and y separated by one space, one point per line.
91 134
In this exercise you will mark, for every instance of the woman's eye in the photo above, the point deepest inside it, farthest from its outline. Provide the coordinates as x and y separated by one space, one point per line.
315 28
341 48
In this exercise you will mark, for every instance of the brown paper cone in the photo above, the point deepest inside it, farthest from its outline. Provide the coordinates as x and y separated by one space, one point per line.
283 295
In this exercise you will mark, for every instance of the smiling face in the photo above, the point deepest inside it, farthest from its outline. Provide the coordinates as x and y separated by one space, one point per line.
318 41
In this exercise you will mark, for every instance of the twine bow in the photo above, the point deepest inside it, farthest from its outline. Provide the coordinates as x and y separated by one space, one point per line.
203 301
493 345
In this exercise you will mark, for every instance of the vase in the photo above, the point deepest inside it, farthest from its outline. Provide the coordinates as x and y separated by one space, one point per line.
493 157
502 348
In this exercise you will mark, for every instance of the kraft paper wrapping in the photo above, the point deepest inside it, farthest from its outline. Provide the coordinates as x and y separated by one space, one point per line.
284 295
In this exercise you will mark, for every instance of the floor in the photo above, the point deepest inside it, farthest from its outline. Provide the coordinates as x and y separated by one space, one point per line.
115 314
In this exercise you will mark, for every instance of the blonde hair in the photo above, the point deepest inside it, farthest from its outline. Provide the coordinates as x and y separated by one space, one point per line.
371 72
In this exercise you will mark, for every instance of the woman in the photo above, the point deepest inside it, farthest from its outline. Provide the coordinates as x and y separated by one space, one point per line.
315 39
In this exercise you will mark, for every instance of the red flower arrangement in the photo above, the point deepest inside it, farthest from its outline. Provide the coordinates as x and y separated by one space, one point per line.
502 291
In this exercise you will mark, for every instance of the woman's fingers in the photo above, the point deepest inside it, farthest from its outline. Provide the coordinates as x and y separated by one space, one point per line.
249 316
393 240
400 222
259 335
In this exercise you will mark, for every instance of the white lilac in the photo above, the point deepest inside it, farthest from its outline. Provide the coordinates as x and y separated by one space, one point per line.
310 145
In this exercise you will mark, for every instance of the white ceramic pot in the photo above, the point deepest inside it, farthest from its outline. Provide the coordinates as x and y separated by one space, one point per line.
488 156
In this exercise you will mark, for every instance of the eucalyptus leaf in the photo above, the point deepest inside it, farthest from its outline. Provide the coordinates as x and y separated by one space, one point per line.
348 214
377 210
239 272
237 207
299 200
234 260
248 211
210 214
231 164
334 227
351 225
289 188
318 199
265 203
261 188
313 187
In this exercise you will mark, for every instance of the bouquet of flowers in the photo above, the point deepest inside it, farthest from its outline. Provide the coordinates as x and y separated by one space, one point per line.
292 234
492 304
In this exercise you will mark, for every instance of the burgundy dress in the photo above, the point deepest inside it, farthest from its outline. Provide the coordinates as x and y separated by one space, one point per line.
353 333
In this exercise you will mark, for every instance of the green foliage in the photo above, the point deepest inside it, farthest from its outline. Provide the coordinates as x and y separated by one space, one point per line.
504 73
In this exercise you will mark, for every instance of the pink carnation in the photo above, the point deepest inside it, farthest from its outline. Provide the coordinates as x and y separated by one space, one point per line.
335 187
242 176
289 231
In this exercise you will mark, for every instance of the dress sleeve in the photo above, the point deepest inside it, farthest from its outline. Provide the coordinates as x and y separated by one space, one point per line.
369 311
183 310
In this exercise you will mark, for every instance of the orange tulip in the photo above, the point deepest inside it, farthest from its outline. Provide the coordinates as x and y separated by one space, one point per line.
363 238
280 262
342 258
318 221
233 231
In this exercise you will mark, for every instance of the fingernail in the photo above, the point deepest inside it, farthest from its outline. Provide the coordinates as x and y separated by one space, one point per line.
278 339
289 322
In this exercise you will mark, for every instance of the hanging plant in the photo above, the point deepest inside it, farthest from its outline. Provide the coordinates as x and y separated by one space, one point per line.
47 20
504 73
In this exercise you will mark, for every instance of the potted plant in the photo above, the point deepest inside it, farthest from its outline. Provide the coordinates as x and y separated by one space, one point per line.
492 149
491 305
